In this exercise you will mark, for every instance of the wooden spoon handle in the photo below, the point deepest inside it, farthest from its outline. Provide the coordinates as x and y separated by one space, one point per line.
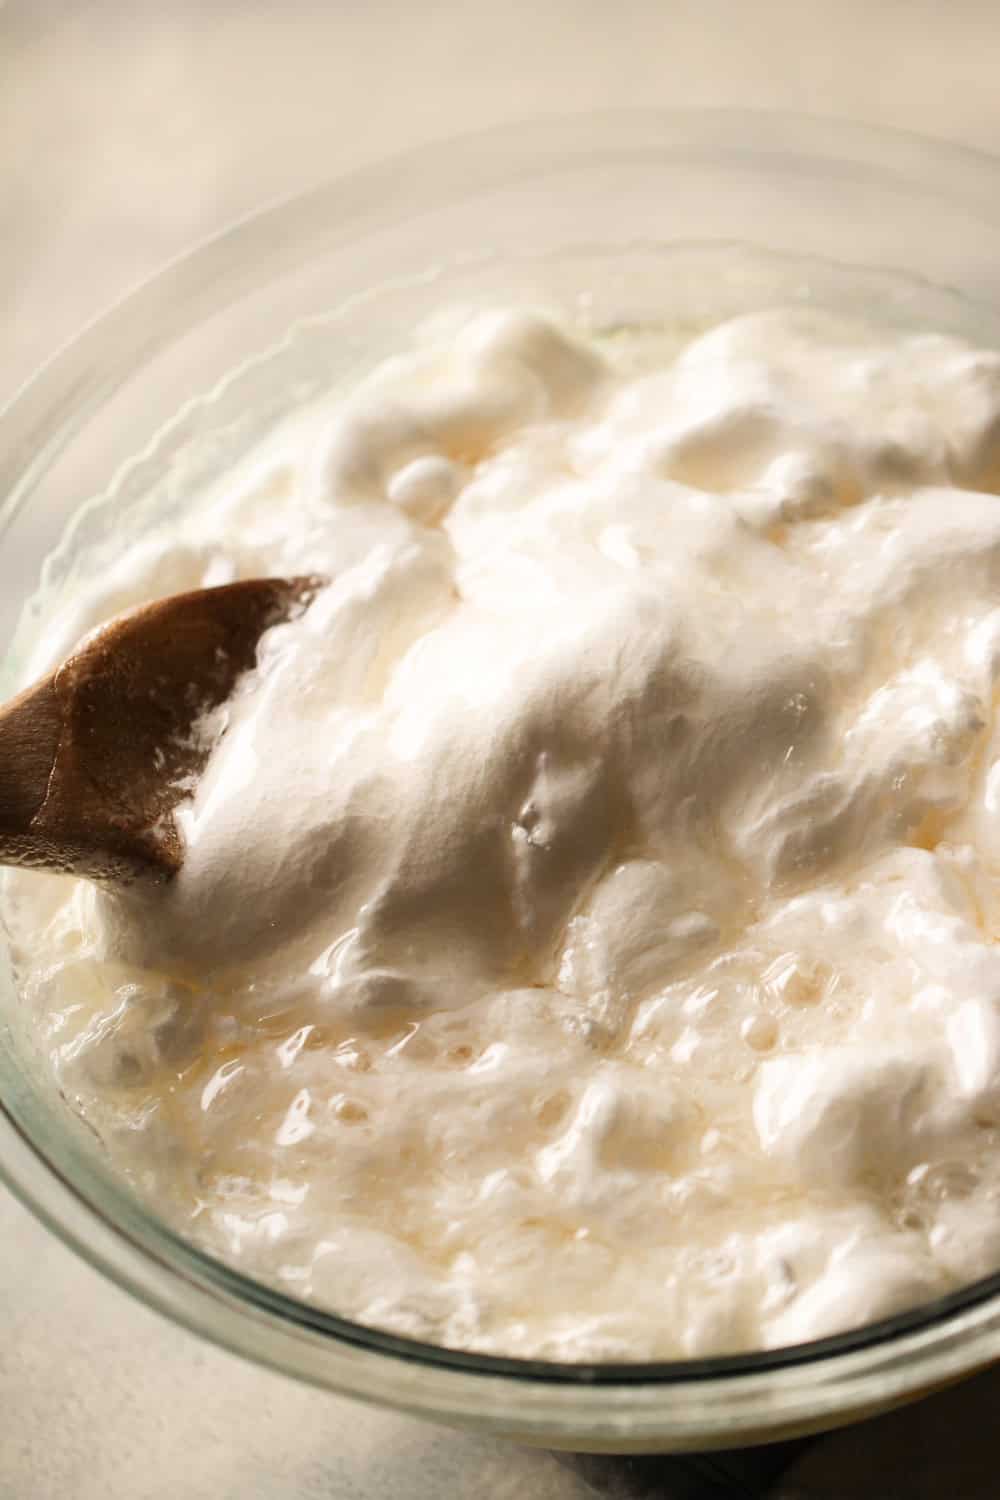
48 816
94 758
30 731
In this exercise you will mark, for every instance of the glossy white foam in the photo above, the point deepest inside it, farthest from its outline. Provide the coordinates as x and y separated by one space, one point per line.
585 945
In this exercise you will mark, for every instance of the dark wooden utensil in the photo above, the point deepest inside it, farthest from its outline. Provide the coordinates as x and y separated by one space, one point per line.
95 757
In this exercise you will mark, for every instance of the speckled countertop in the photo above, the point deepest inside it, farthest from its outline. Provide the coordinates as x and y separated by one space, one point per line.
128 129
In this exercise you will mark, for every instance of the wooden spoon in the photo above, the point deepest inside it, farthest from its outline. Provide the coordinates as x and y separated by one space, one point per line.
94 758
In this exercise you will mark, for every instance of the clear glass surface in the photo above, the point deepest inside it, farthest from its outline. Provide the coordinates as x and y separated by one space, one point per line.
618 218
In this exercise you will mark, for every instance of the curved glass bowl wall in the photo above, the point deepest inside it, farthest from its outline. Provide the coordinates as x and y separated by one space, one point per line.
615 219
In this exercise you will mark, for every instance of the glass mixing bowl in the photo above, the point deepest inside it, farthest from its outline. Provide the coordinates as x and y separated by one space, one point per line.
616 219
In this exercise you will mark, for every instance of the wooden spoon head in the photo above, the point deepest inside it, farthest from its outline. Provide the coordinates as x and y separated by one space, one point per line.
116 723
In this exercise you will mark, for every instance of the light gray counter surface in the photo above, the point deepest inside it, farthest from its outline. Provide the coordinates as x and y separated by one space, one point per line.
128 129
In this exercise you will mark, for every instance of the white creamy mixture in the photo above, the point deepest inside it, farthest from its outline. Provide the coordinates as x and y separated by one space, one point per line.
586 941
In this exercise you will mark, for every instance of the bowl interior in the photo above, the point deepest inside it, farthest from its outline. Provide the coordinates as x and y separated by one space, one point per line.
678 221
